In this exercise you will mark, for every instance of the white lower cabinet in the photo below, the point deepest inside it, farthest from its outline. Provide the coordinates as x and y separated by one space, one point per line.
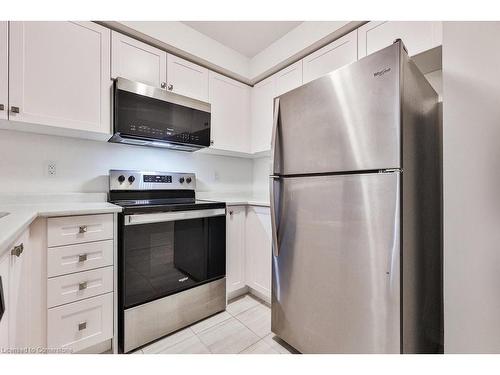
417 36
248 255
4 295
79 288
19 293
235 249
259 251
78 325
62 296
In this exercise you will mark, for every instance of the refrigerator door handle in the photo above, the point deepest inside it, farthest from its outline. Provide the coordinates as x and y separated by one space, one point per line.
274 226
274 134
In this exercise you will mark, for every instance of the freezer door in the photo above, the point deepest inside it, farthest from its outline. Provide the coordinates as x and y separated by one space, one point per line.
348 120
336 274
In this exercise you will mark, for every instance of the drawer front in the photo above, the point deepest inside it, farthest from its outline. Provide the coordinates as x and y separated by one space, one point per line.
81 257
81 324
77 229
77 286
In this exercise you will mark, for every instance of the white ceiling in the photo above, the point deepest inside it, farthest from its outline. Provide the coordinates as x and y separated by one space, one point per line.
246 37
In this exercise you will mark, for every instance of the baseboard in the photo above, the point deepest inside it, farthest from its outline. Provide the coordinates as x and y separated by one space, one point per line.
101 348
263 297
236 293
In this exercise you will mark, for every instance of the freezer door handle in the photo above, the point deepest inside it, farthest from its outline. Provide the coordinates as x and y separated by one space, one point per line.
275 134
274 227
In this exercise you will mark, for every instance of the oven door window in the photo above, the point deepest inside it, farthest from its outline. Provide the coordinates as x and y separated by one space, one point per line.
160 259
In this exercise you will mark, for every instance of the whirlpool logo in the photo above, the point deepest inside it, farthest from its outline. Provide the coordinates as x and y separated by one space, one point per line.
380 73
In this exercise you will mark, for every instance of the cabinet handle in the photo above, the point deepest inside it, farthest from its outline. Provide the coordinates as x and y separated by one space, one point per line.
82 326
230 212
163 85
14 109
82 258
17 250
170 87
82 229
82 286
2 107
212 142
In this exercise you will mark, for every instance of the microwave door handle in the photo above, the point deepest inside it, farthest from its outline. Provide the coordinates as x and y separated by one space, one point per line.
160 217
274 224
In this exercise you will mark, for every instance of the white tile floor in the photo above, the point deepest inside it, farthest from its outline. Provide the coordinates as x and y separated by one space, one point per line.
245 327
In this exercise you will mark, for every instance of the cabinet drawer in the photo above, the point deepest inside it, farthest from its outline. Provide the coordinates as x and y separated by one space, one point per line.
77 229
77 286
81 324
81 257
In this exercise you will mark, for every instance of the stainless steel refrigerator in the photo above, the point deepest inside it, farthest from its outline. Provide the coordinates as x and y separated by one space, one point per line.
356 210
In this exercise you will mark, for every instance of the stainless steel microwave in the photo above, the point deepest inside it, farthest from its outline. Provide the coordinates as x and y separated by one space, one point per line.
148 116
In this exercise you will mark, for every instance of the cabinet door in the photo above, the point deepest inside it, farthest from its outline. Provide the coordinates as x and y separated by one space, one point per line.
288 79
262 114
4 68
341 52
19 324
137 61
4 320
417 36
230 126
59 75
186 78
258 250
235 255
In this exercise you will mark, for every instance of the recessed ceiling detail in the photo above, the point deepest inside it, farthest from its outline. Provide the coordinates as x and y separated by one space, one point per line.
246 37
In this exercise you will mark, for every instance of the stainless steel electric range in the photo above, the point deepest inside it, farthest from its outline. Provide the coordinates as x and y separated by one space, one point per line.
171 255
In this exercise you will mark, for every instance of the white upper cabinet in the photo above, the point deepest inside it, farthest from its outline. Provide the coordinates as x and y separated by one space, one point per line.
186 78
341 52
4 68
59 75
417 36
288 79
230 124
137 61
235 254
262 114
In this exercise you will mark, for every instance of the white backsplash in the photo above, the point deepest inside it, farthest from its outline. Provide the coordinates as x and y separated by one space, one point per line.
82 165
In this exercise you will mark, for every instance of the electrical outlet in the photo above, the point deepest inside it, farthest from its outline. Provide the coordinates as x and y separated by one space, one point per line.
51 169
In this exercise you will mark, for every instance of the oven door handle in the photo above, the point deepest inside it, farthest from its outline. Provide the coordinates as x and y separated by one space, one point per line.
160 217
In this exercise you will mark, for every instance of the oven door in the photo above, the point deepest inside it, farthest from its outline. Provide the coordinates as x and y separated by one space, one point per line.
167 252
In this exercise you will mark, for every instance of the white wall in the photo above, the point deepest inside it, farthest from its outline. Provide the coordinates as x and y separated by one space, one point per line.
82 166
260 178
471 157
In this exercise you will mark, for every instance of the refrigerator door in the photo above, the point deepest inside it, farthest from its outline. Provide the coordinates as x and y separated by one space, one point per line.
348 120
336 274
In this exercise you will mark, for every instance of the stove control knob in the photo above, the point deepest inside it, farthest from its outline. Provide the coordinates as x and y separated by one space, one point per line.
131 179
121 178
188 180
181 180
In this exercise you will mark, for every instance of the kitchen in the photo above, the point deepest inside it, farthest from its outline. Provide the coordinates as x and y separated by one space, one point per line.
95 200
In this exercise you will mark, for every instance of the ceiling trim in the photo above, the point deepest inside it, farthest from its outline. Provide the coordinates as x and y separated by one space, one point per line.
117 26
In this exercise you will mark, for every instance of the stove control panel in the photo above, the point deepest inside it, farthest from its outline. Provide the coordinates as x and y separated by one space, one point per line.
144 180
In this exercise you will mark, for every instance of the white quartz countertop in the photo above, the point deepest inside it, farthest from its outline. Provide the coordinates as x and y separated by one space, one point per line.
232 199
21 215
